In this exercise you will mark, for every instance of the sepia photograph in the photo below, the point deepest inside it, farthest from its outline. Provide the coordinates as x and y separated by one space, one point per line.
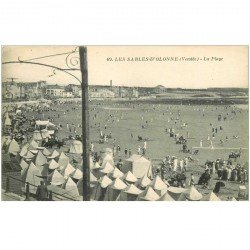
125 123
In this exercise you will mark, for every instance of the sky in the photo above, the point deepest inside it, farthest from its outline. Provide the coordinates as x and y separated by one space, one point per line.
192 66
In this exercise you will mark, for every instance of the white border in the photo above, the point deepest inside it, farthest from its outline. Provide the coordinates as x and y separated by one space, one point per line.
142 225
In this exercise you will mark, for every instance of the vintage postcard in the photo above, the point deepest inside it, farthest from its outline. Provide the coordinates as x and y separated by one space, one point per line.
124 123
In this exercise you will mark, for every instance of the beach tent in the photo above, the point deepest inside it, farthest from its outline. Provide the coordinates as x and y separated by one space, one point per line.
46 152
31 176
177 193
76 147
193 194
7 121
71 188
158 185
44 169
143 182
24 150
45 134
33 151
148 195
108 159
37 135
53 164
63 160
130 193
56 178
77 174
29 155
138 165
93 183
13 147
211 197
33 145
96 166
129 178
101 187
54 155
23 164
114 189
116 173
69 169
40 159
107 169
42 123
166 197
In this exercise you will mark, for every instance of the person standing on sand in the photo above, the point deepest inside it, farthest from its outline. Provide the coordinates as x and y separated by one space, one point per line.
42 192
201 143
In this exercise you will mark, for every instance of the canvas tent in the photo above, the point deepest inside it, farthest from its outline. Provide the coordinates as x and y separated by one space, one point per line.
7 121
54 155
53 164
69 169
101 188
33 145
37 135
130 193
107 169
63 160
71 188
29 155
166 197
177 193
138 165
46 152
13 147
40 159
193 194
108 159
24 150
116 173
158 185
45 134
114 190
76 147
129 178
148 195
211 197
77 174
56 178
143 182
31 176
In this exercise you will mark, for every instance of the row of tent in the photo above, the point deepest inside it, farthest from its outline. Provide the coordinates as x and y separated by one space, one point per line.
39 163
145 190
134 182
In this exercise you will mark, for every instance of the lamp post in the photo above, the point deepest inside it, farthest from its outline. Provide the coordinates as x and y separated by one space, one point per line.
85 122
